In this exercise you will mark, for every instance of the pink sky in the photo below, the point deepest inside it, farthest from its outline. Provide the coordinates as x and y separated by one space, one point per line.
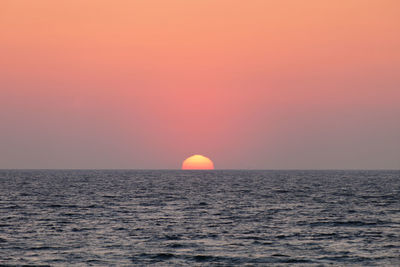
250 84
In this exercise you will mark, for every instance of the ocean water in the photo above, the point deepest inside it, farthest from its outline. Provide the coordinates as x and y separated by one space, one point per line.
199 218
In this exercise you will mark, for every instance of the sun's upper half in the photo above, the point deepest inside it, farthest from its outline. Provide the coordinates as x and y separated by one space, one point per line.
197 162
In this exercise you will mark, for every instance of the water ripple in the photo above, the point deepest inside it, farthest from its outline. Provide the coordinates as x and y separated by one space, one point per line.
179 218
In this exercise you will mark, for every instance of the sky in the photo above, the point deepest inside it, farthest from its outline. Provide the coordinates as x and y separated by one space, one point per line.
251 84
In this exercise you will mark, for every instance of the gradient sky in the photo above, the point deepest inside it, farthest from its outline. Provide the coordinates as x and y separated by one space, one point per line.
251 84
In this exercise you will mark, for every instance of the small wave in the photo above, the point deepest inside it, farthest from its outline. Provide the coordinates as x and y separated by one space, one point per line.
68 214
281 191
158 256
264 243
94 206
11 207
109 196
355 223
172 237
119 228
54 206
25 265
296 260
287 236
79 229
345 258
209 258
252 237
279 255
202 258
346 223
41 248
176 245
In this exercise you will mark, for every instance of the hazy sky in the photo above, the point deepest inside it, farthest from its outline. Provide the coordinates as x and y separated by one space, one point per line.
250 84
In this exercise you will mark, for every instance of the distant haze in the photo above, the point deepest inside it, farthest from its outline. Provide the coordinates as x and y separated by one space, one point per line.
250 84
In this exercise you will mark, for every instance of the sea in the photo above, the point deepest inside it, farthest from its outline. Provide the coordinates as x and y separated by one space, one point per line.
199 218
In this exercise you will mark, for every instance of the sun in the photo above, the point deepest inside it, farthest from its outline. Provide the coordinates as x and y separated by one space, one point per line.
197 162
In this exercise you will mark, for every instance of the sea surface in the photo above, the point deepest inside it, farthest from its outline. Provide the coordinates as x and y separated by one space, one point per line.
199 218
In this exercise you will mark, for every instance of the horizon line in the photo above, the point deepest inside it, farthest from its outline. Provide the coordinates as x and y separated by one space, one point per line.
171 169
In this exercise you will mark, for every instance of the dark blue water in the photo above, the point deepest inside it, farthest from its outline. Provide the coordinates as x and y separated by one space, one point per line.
197 218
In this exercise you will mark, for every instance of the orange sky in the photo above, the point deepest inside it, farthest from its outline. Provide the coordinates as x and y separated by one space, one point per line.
250 84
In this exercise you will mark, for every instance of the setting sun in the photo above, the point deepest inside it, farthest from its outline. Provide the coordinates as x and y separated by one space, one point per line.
197 162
